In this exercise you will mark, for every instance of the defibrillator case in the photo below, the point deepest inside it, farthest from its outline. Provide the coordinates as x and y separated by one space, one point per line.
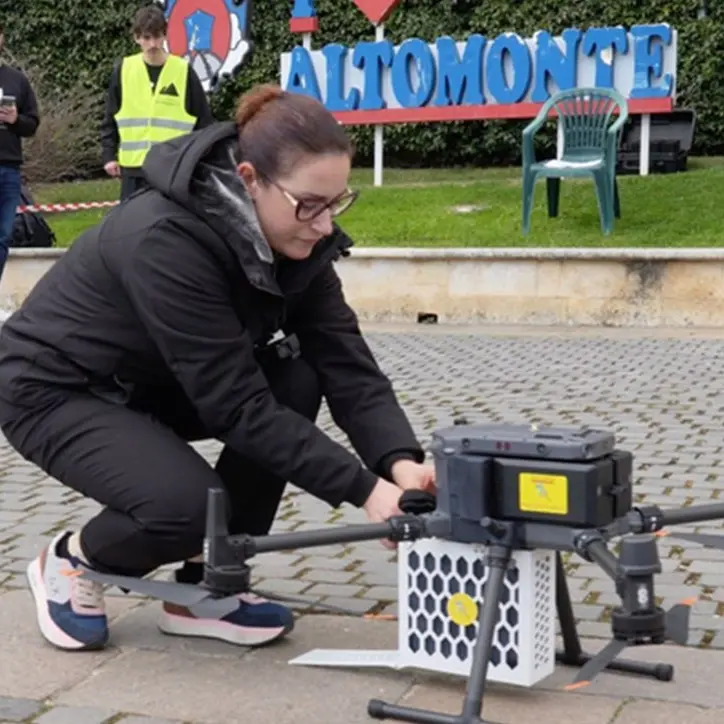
585 494
563 476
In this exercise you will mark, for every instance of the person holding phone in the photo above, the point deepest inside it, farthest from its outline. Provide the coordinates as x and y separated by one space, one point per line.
18 119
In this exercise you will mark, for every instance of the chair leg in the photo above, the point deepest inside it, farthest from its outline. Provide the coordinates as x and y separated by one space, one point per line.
616 199
605 202
553 192
528 193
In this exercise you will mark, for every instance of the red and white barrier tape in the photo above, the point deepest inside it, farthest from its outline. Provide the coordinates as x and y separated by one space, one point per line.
67 207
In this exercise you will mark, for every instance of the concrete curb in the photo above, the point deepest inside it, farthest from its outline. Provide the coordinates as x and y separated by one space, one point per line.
540 253
612 287
487 253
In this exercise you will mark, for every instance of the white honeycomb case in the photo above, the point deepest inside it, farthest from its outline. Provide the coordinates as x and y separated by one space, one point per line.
441 585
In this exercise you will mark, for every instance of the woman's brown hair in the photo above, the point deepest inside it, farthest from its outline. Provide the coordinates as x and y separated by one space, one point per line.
277 128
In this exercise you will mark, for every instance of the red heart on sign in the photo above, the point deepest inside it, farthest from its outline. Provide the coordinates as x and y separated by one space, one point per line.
377 11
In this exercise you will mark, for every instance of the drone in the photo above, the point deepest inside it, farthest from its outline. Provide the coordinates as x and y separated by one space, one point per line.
506 488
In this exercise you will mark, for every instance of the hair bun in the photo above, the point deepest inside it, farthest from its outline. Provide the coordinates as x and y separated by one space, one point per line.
290 126
254 100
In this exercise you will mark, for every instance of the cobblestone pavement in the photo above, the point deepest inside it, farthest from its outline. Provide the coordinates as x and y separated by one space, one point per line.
662 396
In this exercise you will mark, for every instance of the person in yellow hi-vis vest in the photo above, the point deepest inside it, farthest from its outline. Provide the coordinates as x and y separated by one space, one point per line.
153 96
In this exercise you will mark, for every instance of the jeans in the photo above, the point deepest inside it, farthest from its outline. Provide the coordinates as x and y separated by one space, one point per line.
10 187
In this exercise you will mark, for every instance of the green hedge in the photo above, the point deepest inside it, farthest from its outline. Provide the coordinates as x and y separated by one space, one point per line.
80 39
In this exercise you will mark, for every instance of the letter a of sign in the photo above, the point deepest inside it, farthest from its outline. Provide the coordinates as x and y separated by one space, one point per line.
377 11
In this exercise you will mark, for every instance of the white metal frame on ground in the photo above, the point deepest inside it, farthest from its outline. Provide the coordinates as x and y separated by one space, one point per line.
440 588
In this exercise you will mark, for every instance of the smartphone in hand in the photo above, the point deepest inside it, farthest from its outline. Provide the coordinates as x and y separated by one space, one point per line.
6 103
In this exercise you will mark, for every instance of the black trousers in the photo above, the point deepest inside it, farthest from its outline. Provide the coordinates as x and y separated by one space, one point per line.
139 465
130 183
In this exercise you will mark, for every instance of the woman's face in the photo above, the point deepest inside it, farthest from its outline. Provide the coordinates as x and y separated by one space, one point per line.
314 182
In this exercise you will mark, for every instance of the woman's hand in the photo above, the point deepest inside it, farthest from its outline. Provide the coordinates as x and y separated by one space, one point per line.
410 475
382 504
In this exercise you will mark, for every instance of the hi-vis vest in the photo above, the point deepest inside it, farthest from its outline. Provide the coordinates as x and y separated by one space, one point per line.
145 117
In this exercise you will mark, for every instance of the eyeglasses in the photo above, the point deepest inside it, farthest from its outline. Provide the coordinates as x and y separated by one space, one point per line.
310 210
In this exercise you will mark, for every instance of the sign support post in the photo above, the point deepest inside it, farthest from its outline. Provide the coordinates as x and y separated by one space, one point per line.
379 128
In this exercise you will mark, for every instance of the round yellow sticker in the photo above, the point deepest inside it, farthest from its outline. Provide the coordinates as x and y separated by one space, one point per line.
462 609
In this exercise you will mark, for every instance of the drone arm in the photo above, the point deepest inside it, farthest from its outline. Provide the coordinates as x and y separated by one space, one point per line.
225 557
652 518
399 528
691 514
591 545
642 519
539 536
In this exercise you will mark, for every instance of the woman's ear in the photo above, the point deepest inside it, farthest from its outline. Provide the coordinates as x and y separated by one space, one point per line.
248 175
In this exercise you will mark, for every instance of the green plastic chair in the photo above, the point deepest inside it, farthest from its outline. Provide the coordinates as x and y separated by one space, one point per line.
590 141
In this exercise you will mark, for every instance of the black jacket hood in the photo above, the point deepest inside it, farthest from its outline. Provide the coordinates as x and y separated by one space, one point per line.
198 172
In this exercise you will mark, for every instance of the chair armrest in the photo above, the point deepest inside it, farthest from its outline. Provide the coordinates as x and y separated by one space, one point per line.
617 125
533 127
613 134
528 147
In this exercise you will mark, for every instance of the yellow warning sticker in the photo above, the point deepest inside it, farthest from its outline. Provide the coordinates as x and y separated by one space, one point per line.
540 493
462 609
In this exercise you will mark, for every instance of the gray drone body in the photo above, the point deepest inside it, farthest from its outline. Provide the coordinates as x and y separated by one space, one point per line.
561 477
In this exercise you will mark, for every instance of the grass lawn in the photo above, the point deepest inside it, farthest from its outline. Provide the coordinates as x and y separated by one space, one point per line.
420 208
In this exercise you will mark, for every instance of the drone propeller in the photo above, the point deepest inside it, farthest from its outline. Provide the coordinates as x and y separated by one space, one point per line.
181 594
677 631
677 621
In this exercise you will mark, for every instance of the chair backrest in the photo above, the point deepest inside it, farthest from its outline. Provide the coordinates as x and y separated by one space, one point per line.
585 115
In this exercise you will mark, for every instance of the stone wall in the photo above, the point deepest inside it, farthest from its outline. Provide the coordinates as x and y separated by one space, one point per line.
610 287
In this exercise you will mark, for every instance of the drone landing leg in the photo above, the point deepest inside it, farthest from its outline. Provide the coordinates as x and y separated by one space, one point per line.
498 557
573 654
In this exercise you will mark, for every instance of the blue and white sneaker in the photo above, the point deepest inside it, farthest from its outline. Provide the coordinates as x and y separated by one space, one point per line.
70 608
246 620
